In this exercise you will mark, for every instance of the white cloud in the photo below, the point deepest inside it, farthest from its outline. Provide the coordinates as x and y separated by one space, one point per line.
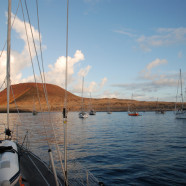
108 94
18 60
104 80
155 63
84 72
164 37
125 33
152 83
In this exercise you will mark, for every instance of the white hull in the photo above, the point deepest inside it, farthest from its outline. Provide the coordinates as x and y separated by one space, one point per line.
83 115
9 163
181 115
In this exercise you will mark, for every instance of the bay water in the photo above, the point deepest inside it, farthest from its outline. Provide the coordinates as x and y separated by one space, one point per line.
116 148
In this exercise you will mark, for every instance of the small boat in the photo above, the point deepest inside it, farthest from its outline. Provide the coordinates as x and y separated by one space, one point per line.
82 114
108 108
10 170
34 112
159 110
133 112
92 111
180 113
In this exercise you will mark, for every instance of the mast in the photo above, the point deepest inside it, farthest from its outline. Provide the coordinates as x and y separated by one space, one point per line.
82 95
181 89
8 59
65 103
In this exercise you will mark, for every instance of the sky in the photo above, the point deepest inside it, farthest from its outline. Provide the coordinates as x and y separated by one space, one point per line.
120 47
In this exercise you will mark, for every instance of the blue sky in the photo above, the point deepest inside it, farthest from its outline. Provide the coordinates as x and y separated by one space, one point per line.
122 47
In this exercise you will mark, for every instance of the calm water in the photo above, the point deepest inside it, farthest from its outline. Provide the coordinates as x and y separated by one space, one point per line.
116 148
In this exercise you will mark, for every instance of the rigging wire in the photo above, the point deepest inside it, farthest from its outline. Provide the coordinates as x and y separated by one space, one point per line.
33 65
4 82
46 97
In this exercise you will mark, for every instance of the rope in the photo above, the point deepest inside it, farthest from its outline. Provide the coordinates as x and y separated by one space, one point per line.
33 65
4 82
46 96
43 88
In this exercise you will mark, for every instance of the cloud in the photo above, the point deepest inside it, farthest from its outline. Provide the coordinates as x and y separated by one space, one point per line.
57 71
125 33
155 63
104 80
84 72
109 94
149 86
164 37
19 60
149 82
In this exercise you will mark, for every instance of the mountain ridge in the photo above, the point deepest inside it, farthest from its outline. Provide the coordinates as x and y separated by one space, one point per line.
26 96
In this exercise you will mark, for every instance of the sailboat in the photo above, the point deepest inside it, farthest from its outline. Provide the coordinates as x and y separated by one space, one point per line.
18 163
180 113
34 112
82 114
108 108
159 110
92 111
9 161
132 112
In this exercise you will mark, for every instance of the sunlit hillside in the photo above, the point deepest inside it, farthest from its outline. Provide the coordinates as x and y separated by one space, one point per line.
25 96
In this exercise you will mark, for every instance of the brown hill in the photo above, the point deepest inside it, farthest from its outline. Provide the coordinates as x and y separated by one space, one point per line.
25 95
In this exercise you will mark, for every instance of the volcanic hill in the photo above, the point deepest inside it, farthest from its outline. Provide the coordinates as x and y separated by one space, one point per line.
25 97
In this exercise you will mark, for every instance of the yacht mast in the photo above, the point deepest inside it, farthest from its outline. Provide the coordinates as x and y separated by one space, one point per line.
8 59
65 103
181 89
82 107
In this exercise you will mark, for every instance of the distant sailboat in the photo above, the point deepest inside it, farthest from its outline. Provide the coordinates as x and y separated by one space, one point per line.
92 111
82 114
34 112
132 112
159 110
108 108
180 112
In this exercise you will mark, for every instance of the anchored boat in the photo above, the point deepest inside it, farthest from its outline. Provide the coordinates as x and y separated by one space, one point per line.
180 111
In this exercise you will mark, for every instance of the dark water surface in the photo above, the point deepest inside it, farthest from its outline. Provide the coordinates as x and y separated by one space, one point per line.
119 149
124 150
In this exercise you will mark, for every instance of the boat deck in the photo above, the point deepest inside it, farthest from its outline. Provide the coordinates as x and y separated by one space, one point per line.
35 172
